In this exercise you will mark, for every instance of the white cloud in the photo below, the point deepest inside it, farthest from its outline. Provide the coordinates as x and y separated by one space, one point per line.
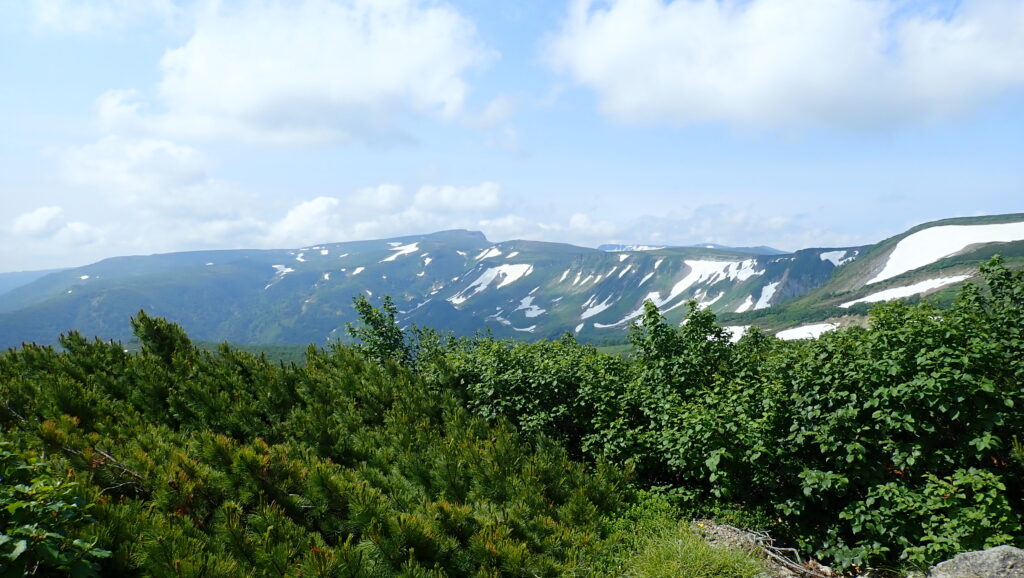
98 16
449 199
48 224
135 169
152 175
309 71
780 63
385 211
498 110
42 222
382 198
312 221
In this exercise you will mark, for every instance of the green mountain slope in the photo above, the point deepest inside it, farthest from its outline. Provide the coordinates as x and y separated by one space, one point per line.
459 281
937 258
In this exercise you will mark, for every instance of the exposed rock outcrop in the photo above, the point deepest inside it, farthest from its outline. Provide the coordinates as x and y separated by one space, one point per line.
998 562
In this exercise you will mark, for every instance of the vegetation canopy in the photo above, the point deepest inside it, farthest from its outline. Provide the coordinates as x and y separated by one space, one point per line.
417 454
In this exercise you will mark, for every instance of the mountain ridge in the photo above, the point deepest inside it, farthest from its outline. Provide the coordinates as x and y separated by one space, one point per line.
459 281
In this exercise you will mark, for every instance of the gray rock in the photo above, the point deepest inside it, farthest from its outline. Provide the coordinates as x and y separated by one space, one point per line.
998 562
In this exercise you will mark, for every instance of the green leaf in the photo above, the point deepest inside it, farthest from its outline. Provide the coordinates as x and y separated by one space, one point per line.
19 548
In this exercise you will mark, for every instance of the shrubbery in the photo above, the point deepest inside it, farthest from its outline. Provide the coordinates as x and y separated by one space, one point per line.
885 447
419 455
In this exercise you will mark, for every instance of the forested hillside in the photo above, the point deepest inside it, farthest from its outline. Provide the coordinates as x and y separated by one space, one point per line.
416 454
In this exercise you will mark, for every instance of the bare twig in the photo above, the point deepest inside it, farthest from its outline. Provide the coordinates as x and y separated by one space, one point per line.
763 543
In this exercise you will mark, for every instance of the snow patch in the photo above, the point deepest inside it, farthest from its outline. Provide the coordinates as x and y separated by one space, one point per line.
564 275
280 272
512 254
208 264
736 332
526 303
837 257
595 309
299 258
705 302
767 292
343 255
358 270
506 273
746 305
930 245
812 331
327 276
578 327
84 277
394 243
916 288
708 272
623 257
644 280
462 253
325 251
624 271
402 250
488 253
426 261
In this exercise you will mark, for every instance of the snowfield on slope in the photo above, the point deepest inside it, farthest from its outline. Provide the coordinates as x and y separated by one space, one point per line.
928 246
736 332
593 308
507 273
837 257
806 331
898 292
767 292
746 305
701 272
526 304
401 250
488 253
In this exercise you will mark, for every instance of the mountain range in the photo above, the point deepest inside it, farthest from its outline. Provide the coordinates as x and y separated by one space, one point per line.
459 281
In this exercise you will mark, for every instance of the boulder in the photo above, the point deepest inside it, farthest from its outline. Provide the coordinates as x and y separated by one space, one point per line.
998 562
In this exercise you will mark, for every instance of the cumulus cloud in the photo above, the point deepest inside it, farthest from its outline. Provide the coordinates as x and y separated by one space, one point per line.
781 63
382 198
311 71
309 222
97 16
152 175
385 211
49 224
42 222
137 169
449 199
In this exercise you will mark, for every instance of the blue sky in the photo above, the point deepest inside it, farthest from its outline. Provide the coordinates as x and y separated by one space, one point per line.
143 126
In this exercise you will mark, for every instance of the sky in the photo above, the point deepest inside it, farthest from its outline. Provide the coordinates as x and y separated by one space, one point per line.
147 126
